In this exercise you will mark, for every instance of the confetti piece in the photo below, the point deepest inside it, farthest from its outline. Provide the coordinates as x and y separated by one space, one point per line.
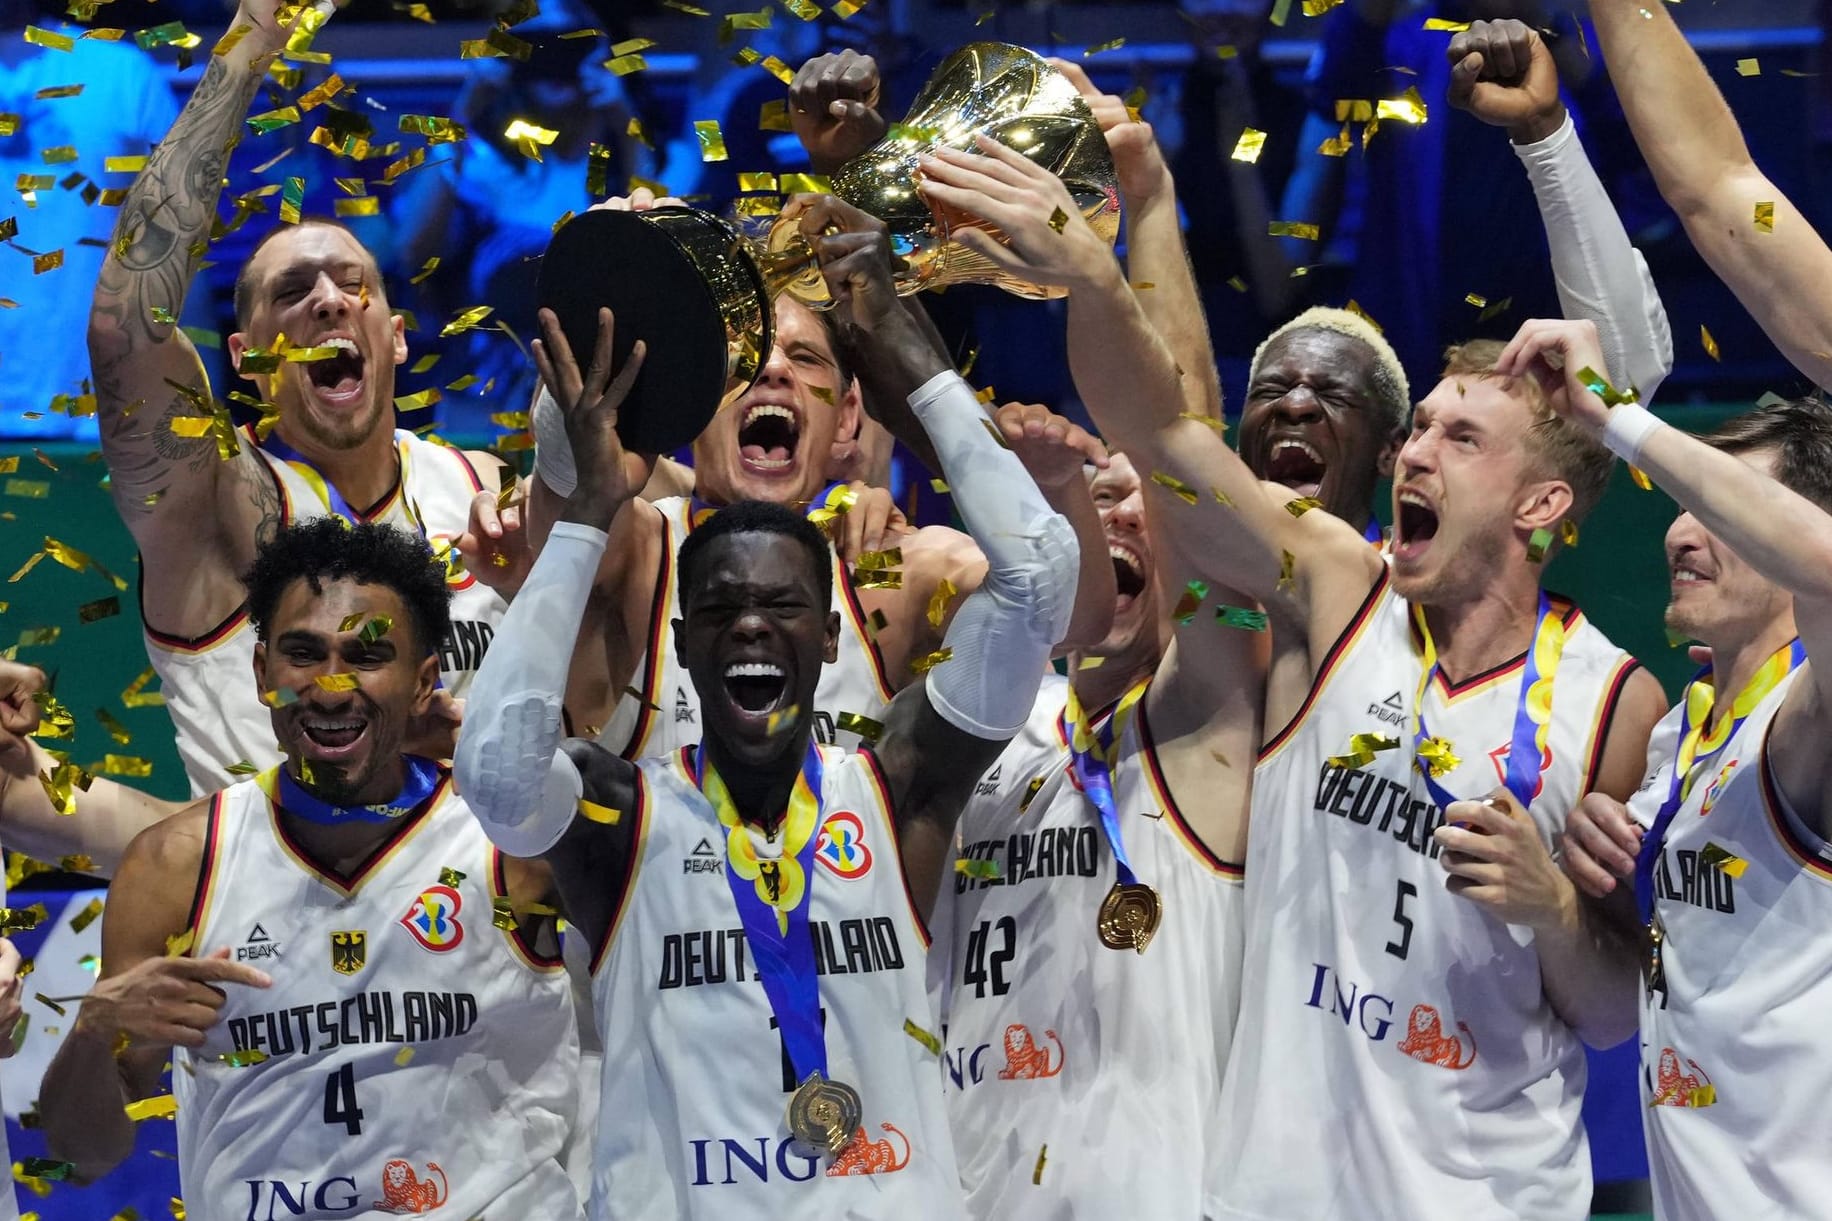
137 696
1183 490
938 602
928 661
502 915
922 1036
1568 533
1711 344
712 141
49 38
591 811
1362 749
466 320
1191 601
29 489
39 635
368 206
242 767
126 765
1538 543
22 919
1409 107
773 117
163 1106
1248 147
77 863
1287 568
1301 505
974 867
1723 860
450 877
403 1057
124 165
1294 228
1765 217
44 1167
58 91
1441 23
1043 1153
1058 220
1611 396
1640 477
246 1057
1112 44
102 608
86 917
1749 67
1241 617
375 629
1438 758
1500 307
852 722
47 262
279 697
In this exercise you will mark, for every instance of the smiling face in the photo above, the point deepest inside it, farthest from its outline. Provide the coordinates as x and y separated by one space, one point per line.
1120 500
754 636
316 285
774 443
1716 597
1313 421
350 740
1462 483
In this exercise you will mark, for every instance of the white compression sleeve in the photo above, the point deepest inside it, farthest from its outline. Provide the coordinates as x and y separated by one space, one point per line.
510 770
1600 275
1002 636
553 456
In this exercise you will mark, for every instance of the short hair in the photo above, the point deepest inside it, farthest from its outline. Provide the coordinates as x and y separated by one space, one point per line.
754 517
1392 396
1555 445
244 279
322 549
1800 433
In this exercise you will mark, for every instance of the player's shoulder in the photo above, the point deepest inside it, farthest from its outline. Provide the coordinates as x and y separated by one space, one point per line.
175 844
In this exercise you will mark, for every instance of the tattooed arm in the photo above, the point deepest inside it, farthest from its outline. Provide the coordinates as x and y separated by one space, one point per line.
195 516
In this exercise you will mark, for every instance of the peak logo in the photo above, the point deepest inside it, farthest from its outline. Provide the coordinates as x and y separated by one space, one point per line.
257 945
432 918
702 859
1390 711
988 785
841 846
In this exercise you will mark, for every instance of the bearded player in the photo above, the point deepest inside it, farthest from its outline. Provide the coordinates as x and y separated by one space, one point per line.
830 858
407 1042
1350 914
1719 858
200 499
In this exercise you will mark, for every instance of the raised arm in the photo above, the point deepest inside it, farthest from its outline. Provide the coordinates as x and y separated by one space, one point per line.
1781 270
1503 73
148 994
1217 512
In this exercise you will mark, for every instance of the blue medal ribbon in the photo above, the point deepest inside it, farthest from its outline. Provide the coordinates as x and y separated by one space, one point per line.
1373 532
1698 702
1526 761
423 777
782 948
1091 758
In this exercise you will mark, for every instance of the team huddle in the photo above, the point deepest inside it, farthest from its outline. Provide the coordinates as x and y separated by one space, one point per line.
702 842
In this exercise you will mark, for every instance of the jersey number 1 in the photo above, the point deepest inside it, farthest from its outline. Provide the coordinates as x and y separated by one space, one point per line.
1398 948
340 1100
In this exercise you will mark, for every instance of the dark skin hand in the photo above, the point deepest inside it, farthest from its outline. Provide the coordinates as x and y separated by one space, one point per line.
833 108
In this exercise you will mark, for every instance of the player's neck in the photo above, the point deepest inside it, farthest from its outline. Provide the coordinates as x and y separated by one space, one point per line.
1487 630
362 475
1735 660
761 794
342 846
1101 685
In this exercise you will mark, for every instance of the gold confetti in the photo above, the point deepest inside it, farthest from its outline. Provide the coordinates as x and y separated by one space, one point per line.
273 120
102 608
1438 758
1538 543
368 206
1294 228
1765 217
1568 533
852 722
466 320
591 811
50 1004
1043 1153
450 877
938 602
1183 490
1302 505
502 915
22 919
922 1036
29 489
79 862
1749 67
1441 23
39 635
1409 107
1362 749
47 262
137 696
49 38
126 765
806 184
242 1058
403 1057
928 661
1723 859
336 682
712 141
349 622
1288 564
86 917
1248 147
242 767
1030 793
375 629
1059 220
279 697
1112 44
1705 337
974 867
163 1106
1640 478
58 91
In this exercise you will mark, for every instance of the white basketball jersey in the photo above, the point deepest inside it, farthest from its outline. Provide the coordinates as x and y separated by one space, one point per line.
1085 1082
418 1059
209 682
696 1082
667 717
1396 1055
1733 1049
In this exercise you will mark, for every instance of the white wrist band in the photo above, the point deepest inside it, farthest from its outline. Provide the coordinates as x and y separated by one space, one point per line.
553 456
1627 430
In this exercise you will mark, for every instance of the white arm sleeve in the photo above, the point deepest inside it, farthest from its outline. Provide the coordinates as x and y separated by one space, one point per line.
1002 636
510 770
1601 276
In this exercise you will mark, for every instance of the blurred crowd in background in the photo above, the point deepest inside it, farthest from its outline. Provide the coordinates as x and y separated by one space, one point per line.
1425 221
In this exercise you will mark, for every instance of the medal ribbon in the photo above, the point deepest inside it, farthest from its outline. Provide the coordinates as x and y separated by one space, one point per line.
1373 533
1532 714
774 897
1697 747
423 776
1091 756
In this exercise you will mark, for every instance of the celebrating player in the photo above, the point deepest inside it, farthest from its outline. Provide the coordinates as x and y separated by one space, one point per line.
332 948
1722 847
832 859
199 498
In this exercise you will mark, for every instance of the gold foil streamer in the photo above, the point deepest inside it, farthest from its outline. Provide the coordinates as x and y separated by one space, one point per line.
928 661
922 1036
137 696
1362 749
1302 505
22 919
164 1106
49 38
126 765
1183 490
1711 344
867 729
1439 759
1294 228
938 602
502 915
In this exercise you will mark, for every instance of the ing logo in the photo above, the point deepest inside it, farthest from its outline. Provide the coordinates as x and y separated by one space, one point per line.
1427 1043
1025 1058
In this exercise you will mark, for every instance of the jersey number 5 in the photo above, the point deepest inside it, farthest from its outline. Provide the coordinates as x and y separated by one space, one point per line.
340 1100
1398 948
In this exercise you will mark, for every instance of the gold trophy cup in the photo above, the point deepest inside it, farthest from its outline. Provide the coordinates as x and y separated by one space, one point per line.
700 293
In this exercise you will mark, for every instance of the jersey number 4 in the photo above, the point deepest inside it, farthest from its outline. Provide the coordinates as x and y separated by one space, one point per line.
985 962
340 1100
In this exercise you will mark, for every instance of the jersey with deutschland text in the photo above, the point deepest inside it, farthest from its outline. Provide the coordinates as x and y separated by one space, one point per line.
1105 1064
1733 1064
1396 1055
667 716
696 1081
417 1058
209 682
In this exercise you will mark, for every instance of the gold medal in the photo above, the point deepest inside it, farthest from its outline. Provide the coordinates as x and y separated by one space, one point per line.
824 1115
1129 916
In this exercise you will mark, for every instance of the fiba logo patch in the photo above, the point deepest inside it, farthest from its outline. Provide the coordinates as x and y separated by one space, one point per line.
1716 787
432 918
841 846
